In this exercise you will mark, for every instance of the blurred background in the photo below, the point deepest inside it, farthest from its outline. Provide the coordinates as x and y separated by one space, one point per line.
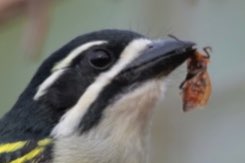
212 135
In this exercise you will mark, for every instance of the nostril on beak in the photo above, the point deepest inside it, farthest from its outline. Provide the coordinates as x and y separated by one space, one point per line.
150 46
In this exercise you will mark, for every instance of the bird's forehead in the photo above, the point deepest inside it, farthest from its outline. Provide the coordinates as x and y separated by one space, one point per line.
116 40
112 36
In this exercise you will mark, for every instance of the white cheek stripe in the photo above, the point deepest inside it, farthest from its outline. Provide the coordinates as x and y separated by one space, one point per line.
70 121
57 70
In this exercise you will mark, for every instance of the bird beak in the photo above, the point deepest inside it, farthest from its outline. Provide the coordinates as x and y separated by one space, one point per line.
162 57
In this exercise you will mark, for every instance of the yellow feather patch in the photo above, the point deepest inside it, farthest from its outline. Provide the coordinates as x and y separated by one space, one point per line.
11 147
29 156
44 142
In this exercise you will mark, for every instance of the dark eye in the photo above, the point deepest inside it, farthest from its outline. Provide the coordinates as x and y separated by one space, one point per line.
100 58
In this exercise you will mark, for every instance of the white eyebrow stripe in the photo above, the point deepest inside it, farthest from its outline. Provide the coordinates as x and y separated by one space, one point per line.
42 89
67 61
71 119
57 70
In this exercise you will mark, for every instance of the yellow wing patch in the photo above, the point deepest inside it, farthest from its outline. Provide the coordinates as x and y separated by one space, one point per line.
11 147
32 154
29 156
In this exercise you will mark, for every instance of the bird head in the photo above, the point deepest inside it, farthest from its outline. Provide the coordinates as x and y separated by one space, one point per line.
101 83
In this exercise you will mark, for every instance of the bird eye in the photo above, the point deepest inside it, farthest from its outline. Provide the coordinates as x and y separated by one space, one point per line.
100 59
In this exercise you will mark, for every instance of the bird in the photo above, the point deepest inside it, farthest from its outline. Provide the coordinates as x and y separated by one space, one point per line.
92 100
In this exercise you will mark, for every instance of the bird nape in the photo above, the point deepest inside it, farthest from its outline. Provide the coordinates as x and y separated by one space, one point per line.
91 101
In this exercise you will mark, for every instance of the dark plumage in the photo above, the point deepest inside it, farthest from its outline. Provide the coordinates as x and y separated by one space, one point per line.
35 119
32 119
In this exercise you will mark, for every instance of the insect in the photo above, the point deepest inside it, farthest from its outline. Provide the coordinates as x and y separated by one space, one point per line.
196 88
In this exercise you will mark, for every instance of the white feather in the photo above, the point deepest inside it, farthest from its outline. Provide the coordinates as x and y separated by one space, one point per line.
122 135
47 83
67 61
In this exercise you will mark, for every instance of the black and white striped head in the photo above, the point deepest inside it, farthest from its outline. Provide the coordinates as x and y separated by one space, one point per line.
100 81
